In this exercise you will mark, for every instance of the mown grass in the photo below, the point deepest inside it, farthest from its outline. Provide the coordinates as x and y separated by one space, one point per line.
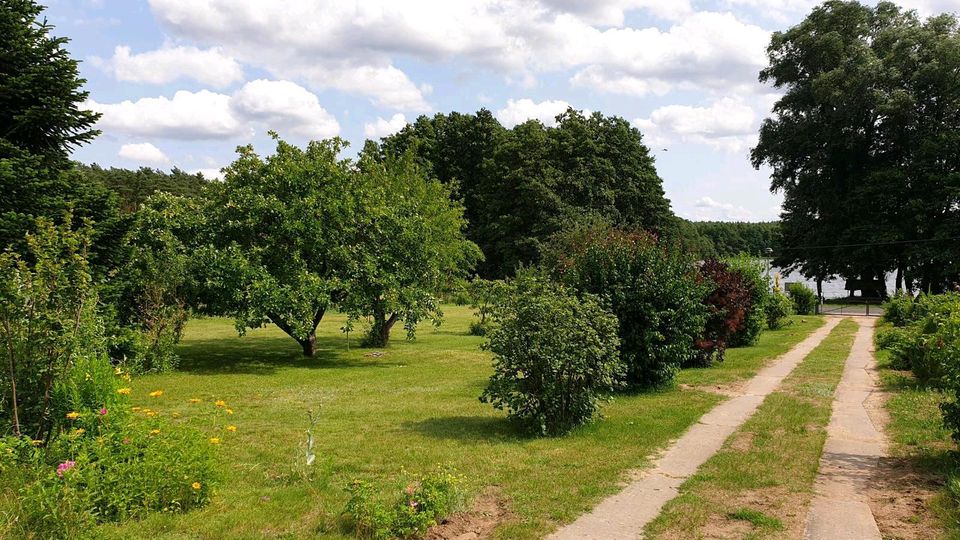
917 435
759 483
405 412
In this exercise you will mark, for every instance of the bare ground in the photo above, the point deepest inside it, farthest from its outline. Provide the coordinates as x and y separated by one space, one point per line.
488 511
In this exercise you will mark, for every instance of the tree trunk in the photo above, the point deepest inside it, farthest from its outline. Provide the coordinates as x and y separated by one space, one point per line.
820 289
380 332
13 395
899 284
309 345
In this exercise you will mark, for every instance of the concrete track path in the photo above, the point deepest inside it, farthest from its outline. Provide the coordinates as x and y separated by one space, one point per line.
851 454
625 514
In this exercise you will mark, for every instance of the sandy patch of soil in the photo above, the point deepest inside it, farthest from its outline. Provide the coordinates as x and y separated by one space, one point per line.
490 509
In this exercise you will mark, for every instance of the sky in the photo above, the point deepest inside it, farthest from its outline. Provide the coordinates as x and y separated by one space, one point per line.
182 83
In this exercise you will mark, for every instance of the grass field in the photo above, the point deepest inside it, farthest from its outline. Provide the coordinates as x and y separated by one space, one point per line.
919 438
405 412
760 483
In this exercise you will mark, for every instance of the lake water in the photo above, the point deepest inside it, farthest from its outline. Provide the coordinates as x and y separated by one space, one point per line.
834 288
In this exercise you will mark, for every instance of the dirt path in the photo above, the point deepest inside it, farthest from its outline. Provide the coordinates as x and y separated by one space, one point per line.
851 454
625 514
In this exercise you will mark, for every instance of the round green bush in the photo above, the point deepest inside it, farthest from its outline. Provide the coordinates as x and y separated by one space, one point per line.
655 292
555 355
778 309
804 300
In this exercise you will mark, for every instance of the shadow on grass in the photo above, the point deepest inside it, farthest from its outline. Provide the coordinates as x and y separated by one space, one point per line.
469 429
264 355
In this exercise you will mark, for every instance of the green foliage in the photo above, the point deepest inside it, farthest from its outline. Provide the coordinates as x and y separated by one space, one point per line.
868 118
804 300
898 311
408 248
555 355
278 235
723 239
654 292
754 273
48 325
928 343
421 505
40 124
109 468
484 296
778 309
155 285
522 185
133 188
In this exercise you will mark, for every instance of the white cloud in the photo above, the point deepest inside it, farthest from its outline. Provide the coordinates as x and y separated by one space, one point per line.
521 110
211 67
927 8
284 105
384 128
352 46
259 105
143 152
709 209
188 115
728 124
705 50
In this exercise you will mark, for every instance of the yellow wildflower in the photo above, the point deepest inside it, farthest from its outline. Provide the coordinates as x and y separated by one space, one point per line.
220 403
73 415
231 429
156 393
194 400
195 485
123 391
175 415
151 414
36 442
214 440
117 370
126 377
229 411
79 431
135 409
154 431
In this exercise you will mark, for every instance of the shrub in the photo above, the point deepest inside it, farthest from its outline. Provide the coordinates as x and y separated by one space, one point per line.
728 304
108 466
484 294
901 342
555 355
944 346
778 309
421 505
898 311
654 292
804 300
753 272
48 324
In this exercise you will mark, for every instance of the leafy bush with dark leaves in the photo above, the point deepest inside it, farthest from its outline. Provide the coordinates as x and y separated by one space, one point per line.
728 304
555 355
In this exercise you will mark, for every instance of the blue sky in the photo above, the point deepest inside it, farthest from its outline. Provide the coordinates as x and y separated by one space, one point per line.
184 82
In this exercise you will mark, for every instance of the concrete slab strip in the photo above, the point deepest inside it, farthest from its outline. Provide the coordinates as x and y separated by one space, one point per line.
625 514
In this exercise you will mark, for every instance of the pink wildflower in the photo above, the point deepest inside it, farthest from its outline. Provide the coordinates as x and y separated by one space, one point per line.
64 467
103 411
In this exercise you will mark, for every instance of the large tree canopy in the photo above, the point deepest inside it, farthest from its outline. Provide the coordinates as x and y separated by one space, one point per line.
865 143
41 121
520 186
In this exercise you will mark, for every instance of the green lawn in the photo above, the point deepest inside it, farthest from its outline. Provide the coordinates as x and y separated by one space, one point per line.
919 438
409 410
760 483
